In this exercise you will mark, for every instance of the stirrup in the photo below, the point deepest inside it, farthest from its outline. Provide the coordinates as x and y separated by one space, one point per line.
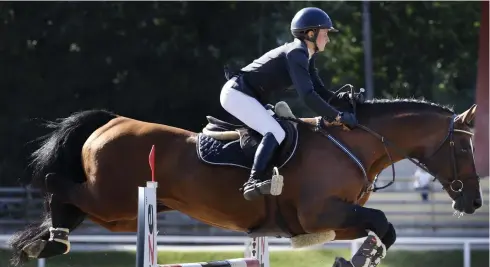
272 186
277 182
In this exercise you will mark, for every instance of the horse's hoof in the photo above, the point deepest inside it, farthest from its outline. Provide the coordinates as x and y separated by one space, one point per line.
34 249
44 249
54 248
341 262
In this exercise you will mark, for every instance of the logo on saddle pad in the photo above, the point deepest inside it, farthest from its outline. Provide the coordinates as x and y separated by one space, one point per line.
223 143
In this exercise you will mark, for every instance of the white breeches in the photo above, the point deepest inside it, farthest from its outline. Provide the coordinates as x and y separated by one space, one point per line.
248 110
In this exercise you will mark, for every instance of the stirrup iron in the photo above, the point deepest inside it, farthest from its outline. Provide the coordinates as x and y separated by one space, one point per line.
277 182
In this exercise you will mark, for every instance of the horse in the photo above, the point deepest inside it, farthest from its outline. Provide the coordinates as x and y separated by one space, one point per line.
91 163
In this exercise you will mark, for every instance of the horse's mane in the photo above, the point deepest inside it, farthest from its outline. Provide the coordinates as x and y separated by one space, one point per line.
377 107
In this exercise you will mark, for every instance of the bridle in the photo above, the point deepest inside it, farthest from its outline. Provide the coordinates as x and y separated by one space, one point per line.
446 184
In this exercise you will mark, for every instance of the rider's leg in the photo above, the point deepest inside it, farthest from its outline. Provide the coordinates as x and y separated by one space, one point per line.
248 110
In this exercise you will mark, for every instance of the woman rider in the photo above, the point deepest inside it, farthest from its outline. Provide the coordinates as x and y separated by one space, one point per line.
293 63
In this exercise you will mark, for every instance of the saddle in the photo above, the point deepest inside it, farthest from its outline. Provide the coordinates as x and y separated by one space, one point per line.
228 144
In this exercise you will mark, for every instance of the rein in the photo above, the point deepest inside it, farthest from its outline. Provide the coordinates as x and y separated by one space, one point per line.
386 143
402 153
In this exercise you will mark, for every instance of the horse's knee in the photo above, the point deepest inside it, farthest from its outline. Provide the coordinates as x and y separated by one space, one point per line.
376 221
345 215
390 237
339 214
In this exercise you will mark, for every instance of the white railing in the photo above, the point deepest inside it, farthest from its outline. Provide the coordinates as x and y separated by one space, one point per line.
220 240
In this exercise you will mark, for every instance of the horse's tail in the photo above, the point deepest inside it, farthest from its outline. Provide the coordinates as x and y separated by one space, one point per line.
60 153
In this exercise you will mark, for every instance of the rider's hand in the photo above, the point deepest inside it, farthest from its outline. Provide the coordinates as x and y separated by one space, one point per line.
348 119
359 98
344 96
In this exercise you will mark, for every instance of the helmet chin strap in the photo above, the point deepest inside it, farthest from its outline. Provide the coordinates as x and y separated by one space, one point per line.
313 38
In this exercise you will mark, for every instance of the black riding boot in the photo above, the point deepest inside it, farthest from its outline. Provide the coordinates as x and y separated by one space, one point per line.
257 184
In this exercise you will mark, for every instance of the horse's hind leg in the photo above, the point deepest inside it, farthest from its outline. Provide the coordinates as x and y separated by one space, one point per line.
50 237
90 199
64 219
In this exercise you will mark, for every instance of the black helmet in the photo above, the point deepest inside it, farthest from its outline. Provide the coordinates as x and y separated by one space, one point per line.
310 18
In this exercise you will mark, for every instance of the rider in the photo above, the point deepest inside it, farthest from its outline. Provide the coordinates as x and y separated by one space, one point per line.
246 93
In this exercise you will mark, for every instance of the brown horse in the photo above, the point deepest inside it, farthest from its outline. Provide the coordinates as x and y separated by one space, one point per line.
93 162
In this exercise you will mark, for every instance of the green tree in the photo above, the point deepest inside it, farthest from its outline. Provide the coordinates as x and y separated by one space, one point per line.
163 61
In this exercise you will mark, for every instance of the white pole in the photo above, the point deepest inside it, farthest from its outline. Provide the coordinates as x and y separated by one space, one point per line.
146 253
467 254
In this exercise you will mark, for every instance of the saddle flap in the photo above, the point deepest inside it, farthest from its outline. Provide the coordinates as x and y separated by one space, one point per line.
249 139
240 151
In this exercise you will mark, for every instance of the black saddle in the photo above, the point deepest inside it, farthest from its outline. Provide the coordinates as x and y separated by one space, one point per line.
231 144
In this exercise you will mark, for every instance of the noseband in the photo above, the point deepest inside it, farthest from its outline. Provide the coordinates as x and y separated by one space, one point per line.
450 137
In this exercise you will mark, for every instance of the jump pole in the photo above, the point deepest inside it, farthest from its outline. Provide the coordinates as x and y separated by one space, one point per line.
146 243
256 249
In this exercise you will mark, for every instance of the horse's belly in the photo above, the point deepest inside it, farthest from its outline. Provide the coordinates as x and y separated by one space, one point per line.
224 214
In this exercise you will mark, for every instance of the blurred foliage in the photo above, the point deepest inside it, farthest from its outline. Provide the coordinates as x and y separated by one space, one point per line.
163 61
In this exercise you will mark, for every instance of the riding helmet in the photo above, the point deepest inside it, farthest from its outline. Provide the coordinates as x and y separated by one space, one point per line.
310 18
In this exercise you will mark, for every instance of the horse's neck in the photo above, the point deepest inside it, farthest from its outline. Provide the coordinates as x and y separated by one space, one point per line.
411 133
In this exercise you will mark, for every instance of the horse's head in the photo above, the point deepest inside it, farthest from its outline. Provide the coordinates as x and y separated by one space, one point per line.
451 161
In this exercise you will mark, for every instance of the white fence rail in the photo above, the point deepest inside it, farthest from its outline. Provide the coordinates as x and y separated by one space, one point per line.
232 240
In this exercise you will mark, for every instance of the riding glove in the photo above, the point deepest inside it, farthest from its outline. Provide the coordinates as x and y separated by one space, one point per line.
359 98
348 119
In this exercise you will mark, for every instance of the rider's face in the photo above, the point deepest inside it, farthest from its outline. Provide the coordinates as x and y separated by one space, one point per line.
322 40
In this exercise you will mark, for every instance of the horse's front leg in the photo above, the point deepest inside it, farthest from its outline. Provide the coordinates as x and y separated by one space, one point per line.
354 233
335 214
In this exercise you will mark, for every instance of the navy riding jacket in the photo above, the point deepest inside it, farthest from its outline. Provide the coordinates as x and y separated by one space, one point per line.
285 66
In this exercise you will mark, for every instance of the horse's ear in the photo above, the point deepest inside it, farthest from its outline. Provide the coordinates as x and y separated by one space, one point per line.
467 116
